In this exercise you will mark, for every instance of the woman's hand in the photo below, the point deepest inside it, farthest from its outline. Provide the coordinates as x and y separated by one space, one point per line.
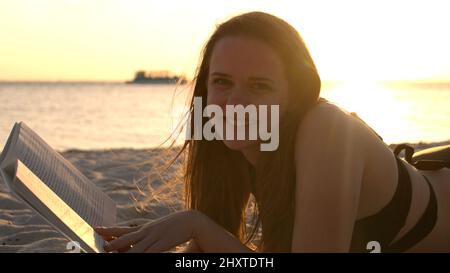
157 236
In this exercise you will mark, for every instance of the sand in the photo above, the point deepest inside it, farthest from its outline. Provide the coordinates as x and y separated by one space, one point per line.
115 172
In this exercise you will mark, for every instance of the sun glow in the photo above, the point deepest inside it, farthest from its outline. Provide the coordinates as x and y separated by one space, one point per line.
111 39
375 105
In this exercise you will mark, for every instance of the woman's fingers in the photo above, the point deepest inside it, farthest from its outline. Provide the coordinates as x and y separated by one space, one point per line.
142 245
124 241
114 231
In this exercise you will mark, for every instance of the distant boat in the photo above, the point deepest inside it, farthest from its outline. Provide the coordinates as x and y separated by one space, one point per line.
156 77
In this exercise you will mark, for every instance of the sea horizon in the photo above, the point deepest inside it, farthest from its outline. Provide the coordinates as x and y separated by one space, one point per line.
77 114
415 81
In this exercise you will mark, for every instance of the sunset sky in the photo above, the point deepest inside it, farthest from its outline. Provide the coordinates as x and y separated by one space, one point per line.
48 40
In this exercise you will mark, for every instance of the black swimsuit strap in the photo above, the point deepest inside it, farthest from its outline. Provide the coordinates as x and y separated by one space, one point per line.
429 218
385 225
423 227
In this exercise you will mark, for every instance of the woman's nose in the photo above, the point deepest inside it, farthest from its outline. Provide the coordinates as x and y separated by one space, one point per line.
238 96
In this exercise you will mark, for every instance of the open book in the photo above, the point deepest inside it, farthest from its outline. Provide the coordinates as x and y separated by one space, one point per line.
55 189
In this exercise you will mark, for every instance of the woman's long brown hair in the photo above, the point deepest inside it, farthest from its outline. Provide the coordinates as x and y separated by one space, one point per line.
217 180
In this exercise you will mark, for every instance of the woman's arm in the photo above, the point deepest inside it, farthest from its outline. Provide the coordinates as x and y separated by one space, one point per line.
330 163
211 237
170 231
191 247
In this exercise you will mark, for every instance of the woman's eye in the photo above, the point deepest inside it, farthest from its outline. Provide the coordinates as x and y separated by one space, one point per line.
220 81
261 87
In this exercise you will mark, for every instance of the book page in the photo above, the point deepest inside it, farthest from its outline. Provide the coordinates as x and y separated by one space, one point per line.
53 208
8 154
76 190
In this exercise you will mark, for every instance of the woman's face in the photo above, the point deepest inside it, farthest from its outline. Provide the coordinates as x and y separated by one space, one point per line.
245 71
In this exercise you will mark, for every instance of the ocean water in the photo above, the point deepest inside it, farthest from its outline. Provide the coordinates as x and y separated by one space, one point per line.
116 115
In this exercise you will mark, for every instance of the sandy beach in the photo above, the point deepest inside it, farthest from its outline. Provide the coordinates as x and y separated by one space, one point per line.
123 174
131 177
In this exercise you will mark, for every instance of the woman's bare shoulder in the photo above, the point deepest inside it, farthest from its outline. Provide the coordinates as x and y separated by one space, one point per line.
326 110
326 118
332 135
331 132
327 121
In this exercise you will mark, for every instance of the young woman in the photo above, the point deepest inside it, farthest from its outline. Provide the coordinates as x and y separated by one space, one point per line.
331 186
